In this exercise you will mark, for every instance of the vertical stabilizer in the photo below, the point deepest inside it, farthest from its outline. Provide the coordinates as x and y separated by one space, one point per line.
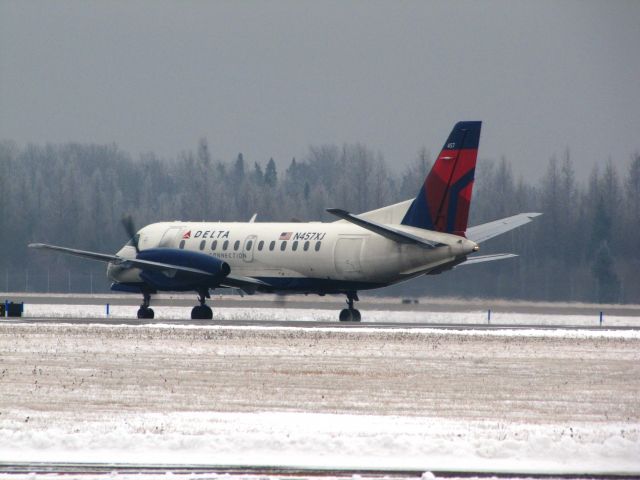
443 202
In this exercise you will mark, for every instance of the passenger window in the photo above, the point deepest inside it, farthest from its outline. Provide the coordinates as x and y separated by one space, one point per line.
260 245
294 246
283 246
202 244
249 245
236 245
182 244
272 245
306 246
225 245
214 244
318 246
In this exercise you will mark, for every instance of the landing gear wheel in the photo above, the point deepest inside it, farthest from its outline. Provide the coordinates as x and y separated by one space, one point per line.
145 312
201 312
346 315
350 314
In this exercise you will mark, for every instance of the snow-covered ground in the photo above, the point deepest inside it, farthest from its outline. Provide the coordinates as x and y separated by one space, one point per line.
321 440
525 401
328 315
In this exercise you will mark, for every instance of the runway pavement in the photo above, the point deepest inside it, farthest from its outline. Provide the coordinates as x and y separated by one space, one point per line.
336 302
303 324
205 472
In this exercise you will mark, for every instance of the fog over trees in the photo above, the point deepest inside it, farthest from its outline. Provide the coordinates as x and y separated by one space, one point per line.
584 247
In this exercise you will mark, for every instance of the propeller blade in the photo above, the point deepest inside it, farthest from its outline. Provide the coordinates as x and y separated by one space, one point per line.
127 223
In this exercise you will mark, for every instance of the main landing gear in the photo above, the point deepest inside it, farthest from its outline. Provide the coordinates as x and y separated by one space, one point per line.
202 311
144 311
350 314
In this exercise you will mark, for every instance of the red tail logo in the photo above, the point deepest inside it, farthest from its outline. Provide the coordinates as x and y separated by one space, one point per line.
187 235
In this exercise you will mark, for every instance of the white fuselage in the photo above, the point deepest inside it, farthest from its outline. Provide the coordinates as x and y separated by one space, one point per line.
338 251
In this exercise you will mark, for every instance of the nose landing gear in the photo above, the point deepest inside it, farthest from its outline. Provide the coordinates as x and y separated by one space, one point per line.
202 311
350 314
144 311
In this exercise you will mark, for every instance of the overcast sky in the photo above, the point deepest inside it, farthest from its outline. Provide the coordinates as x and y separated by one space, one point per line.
271 78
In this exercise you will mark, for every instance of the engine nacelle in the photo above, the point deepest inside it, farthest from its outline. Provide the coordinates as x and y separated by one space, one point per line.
175 280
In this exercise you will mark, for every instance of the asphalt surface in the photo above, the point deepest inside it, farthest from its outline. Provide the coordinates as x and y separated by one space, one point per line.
302 324
203 472
335 302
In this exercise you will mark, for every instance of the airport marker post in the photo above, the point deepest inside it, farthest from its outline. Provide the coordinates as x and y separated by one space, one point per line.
107 309
600 318
489 316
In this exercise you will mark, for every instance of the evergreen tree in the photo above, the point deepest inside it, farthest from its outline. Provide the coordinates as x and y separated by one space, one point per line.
258 175
270 174
607 283
238 168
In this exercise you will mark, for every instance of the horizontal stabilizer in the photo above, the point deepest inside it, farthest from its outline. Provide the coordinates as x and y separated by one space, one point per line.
487 258
483 232
383 230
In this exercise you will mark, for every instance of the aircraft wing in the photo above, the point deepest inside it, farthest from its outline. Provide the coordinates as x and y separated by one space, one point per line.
384 230
483 232
127 262
101 257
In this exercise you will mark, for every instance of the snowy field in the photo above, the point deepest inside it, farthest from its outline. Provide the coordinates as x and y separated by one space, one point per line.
328 315
526 401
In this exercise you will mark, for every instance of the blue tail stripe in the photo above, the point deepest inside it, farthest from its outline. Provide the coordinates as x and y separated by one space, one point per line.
456 188
418 214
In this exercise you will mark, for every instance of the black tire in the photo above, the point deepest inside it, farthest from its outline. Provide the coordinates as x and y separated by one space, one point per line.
206 312
346 315
145 313
356 316
201 312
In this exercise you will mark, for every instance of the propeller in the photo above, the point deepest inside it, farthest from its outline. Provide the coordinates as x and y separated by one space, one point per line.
127 223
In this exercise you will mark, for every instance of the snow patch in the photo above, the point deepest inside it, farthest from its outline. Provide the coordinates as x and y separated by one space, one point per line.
320 440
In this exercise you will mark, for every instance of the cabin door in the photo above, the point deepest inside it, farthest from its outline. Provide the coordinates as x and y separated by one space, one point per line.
347 255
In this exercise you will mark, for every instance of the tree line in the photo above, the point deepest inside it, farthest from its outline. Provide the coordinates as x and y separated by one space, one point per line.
582 249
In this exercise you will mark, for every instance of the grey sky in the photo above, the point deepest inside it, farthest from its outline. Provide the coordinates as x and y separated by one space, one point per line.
272 78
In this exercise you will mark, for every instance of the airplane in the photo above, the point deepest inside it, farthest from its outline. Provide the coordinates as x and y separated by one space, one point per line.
426 235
